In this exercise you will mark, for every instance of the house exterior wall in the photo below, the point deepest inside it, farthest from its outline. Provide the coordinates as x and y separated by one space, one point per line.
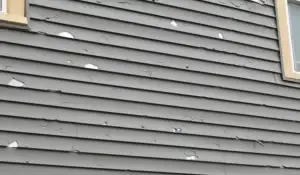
147 88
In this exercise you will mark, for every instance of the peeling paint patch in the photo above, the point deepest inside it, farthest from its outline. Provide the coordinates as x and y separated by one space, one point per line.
16 83
258 1
91 66
174 24
221 36
191 155
177 130
13 144
66 35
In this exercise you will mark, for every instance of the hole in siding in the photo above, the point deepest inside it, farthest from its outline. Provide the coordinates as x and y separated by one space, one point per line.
66 35
174 24
13 144
177 130
91 66
261 2
221 36
16 83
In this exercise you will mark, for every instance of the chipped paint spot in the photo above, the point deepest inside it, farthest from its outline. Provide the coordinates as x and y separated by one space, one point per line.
191 157
221 36
13 144
177 130
69 61
174 24
66 35
261 2
16 83
91 66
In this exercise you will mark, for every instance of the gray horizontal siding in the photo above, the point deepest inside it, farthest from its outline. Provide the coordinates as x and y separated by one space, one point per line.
158 21
247 6
199 6
133 163
162 94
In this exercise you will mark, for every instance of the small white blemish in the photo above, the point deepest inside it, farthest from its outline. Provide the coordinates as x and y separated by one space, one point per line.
221 36
69 62
66 35
173 23
178 130
259 1
91 66
13 145
16 83
191 157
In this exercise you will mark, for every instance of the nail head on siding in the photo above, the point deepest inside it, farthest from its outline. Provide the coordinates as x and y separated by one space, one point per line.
16 83
173 23
91 66
13 144
66 35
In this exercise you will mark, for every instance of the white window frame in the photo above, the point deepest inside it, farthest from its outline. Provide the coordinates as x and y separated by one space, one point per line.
4 6
285 41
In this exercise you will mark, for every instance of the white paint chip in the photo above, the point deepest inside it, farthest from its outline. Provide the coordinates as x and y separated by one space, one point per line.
16 83
193 157
173 23
13 145
258 1
91 66
221 36
66 35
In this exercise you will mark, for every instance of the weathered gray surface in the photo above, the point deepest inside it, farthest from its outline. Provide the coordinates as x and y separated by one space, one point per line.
165 99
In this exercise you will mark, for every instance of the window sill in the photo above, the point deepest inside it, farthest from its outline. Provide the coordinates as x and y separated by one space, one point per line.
15 19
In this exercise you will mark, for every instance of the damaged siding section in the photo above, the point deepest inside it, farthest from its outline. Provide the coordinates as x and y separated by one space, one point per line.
121 87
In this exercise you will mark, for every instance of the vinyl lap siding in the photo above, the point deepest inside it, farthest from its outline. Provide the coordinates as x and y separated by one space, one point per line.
165 99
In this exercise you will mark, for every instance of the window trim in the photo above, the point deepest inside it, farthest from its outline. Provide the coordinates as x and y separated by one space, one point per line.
15 12
285 41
